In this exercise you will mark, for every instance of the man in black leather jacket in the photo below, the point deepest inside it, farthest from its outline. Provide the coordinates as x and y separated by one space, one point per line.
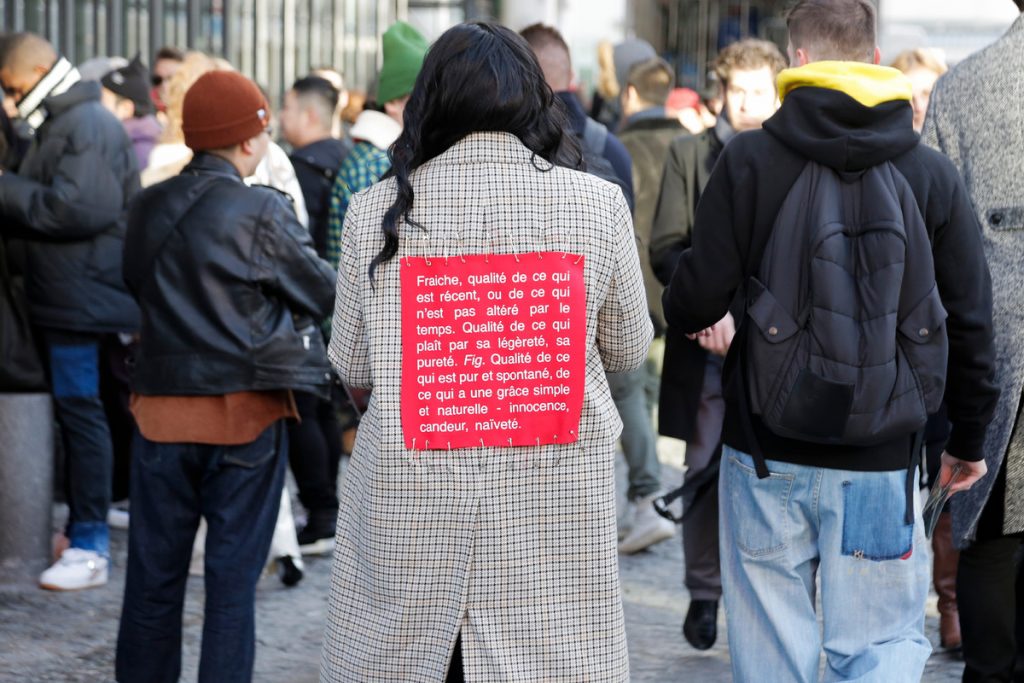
229 285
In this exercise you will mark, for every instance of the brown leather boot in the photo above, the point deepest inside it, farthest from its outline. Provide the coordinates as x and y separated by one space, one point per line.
944 576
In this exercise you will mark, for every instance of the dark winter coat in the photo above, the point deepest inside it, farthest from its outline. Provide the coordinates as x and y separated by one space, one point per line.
228 284
824 117
687 169
12 145
647 140
67 205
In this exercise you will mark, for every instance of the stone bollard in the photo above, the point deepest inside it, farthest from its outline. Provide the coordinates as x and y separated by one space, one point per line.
26 485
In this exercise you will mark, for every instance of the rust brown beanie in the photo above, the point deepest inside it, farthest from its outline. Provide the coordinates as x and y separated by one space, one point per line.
222 109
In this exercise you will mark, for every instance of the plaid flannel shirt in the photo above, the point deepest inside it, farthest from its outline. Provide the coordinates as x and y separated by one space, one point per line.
363 167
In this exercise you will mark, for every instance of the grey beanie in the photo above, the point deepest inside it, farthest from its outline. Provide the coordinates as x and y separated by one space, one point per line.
626 54
96 68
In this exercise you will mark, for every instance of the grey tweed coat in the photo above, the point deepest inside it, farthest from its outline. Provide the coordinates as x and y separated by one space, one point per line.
976 117
514 548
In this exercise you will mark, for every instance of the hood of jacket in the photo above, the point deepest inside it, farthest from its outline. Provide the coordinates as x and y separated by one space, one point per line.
848 116
377 128
652 122
79 93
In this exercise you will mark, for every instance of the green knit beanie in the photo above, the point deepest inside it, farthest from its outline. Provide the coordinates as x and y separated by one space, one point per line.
404 49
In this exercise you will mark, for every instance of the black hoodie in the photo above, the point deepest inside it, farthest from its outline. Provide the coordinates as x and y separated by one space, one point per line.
847 132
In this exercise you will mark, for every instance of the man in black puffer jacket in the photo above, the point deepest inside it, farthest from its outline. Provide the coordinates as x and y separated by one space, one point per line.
229 286
65 206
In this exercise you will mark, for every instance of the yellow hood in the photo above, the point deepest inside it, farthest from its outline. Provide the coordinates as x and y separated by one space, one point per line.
869 84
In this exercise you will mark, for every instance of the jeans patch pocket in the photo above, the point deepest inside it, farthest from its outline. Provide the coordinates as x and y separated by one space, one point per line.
255 453
873 519
759 509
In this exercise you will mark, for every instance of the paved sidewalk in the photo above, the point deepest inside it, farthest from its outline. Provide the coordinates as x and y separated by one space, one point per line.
52 637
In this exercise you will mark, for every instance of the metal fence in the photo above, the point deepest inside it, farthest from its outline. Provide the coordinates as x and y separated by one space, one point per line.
273 41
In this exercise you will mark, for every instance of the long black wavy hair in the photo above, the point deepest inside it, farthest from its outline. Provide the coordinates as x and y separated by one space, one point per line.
478 76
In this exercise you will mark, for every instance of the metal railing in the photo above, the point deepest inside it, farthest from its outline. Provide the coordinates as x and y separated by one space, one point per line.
273 41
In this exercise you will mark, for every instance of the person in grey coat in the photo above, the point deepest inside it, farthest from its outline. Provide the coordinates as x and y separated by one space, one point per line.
974 123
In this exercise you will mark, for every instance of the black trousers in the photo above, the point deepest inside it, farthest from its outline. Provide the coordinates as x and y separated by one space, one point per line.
455 671
987 580
314 452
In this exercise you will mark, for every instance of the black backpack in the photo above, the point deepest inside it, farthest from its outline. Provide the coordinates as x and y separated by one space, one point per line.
847 343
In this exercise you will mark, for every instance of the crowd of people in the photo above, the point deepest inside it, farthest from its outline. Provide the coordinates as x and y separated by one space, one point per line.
809 273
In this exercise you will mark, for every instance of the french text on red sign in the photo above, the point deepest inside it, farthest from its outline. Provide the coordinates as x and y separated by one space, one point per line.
493 350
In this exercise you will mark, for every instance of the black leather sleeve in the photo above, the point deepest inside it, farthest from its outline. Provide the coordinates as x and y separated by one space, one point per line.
297 274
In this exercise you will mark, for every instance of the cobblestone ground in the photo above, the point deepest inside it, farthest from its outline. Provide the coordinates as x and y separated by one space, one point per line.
51 637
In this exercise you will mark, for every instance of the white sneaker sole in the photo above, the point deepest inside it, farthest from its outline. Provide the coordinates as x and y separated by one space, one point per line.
100 580
633 545
118 519
321 547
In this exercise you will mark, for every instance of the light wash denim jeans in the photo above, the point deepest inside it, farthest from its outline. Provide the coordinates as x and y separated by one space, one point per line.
803 526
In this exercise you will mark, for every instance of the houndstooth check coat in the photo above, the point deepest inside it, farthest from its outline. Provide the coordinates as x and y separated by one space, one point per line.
513 548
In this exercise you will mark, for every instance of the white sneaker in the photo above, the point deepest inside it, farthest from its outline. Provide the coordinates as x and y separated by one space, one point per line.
76 569
648 527
117 518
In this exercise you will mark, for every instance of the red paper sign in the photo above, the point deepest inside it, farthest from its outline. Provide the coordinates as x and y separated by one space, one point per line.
493 350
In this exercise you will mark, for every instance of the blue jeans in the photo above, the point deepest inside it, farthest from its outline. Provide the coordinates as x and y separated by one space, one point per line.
74 365
803 525
238 490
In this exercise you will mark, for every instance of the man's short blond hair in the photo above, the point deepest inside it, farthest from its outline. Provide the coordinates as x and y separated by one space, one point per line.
750 54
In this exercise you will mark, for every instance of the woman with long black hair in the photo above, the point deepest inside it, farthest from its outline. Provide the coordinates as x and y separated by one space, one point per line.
476 533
